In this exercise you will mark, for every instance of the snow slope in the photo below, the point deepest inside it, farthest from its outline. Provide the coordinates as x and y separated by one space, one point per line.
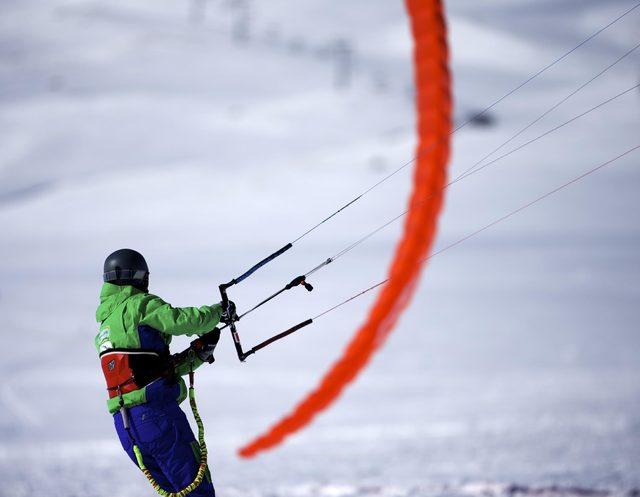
207 134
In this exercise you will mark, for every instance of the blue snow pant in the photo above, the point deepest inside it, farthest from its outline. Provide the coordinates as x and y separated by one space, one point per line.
169 448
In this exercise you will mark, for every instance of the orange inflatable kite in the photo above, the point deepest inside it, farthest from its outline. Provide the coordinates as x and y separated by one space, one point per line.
433 102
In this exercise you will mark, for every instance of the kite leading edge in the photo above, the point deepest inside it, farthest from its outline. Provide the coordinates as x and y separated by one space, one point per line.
433 105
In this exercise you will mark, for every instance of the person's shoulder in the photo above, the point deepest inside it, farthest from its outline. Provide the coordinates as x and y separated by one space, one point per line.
146 302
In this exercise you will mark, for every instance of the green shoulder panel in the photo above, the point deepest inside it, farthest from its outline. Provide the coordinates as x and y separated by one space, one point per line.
165 318
118 321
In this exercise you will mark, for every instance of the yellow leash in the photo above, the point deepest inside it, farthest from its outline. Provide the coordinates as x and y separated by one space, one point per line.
202 469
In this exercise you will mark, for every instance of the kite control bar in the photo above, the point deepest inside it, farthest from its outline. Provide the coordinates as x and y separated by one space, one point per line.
232 323
297 281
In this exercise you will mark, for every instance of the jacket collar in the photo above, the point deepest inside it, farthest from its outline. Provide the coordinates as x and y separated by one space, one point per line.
111 296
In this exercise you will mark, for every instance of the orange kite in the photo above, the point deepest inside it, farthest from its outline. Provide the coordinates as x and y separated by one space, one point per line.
433 105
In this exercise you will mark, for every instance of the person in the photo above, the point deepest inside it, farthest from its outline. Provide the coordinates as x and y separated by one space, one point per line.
144 381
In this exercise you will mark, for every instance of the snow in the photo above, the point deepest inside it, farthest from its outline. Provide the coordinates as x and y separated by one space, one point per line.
148 125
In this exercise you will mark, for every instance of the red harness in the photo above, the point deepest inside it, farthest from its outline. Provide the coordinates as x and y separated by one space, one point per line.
127 370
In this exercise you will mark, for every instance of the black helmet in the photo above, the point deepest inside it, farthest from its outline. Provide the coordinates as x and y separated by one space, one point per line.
127 267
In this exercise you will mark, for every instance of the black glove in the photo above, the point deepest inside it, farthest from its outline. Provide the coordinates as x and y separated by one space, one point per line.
205 353
211 338
206 345
229 314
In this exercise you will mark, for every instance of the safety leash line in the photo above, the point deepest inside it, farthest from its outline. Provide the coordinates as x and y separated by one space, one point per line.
297 281
202 468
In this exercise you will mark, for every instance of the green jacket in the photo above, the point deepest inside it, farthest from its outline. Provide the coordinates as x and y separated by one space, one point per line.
132 319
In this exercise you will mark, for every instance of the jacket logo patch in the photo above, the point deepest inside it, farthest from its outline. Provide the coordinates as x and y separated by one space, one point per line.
112 364
102 340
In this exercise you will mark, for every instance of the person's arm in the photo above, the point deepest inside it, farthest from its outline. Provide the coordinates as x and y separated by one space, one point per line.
183 367
200 351
165 318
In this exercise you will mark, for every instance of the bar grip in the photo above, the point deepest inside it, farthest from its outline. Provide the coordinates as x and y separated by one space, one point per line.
264 261
274 338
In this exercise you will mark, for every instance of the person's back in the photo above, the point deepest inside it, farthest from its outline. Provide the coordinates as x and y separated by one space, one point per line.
144 382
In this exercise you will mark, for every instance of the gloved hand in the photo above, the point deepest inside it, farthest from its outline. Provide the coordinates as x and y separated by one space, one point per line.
229 314
205 353
206 345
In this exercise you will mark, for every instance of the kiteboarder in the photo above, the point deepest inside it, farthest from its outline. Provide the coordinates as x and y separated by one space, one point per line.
144 381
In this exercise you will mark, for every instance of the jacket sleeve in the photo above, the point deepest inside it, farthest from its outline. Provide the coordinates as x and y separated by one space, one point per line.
183 368
165 318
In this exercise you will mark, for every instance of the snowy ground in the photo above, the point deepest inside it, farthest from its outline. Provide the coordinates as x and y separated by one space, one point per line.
153 124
